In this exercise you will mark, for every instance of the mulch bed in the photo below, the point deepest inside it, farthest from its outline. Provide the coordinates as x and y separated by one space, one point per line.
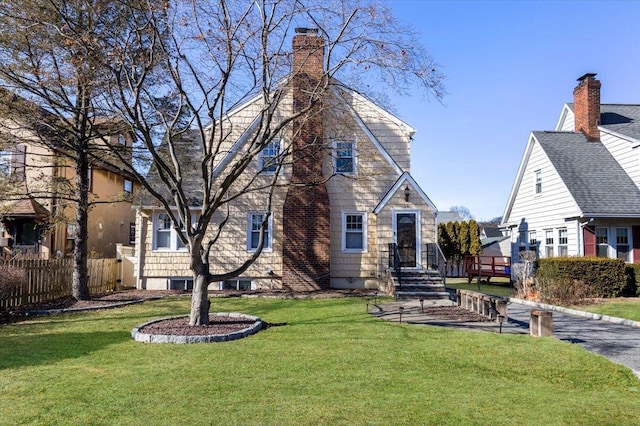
218 324
454 313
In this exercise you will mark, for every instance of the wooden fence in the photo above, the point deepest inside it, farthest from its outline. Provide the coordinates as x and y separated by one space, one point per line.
47 280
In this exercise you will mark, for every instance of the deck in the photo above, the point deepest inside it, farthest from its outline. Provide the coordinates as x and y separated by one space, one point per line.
487 267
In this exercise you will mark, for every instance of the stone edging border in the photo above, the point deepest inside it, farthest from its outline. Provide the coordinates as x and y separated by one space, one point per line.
575 312
139 336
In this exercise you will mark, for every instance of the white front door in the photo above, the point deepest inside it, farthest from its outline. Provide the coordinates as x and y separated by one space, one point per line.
406 231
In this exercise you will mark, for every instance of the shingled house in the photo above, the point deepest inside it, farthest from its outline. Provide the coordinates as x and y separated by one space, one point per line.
335 233
576 190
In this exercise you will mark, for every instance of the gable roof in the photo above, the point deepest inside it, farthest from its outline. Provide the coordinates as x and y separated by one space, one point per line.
405 178
597 183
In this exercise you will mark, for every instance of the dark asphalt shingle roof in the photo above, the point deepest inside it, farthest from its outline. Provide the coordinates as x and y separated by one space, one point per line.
620 118
596 181
188 148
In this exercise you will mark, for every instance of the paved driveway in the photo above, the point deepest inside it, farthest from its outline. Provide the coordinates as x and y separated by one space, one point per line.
619 343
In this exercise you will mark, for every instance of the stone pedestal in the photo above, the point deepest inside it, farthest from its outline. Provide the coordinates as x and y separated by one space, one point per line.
540 323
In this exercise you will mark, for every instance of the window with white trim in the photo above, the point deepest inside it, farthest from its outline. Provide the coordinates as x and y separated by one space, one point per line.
5 162
548 243
268 159
128 186
602 242
181 284
533 241
354 232
538 174
344 154
255 220
164 236
237 284
563 241
622 244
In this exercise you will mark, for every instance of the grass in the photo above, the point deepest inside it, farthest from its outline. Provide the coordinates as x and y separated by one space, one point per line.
330 364
619 307
499 286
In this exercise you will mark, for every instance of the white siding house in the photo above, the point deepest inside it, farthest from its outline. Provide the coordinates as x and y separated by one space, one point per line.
576 192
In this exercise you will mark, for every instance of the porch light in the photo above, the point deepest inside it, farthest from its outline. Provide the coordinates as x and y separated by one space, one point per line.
407 192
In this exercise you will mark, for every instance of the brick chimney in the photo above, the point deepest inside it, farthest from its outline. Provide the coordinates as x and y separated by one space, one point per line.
306 213
586 106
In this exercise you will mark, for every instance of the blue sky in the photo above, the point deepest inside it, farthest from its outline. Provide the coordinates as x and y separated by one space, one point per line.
509 67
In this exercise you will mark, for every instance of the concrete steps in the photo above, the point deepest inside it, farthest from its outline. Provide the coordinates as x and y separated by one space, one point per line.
419 284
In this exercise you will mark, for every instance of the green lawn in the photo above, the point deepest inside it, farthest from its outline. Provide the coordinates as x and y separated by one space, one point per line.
330 364
621 308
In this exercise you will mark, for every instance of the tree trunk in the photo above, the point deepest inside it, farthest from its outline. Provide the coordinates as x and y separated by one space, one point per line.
80 283
200 298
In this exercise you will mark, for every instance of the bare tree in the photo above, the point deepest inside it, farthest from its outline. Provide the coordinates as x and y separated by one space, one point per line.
51 75
178 71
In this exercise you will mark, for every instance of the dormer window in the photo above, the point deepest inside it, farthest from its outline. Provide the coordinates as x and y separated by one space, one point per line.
122 140
344 154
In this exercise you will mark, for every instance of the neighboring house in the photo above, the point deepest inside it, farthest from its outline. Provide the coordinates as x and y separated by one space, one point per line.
576 191
335 234
36 214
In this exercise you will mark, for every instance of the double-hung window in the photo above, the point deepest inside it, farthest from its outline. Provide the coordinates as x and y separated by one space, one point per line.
563 240
344 154
602 242
5 163
533 241
622 244
165 236
354 232
538 174
548 243
255 220
268 159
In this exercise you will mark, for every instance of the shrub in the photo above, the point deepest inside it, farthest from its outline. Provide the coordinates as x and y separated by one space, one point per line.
633 275
10 279
584 277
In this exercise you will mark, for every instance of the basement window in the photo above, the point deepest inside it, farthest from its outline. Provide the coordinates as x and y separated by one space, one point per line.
237 284
180 283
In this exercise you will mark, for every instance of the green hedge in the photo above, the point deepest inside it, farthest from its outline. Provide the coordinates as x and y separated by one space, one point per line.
633 276
599 277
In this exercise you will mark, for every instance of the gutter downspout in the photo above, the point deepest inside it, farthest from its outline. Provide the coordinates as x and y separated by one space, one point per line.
138 249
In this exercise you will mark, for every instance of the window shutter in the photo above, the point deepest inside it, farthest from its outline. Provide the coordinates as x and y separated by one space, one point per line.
635 235
589 241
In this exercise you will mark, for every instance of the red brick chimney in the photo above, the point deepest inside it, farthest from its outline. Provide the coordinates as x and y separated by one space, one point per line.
586 106
306 213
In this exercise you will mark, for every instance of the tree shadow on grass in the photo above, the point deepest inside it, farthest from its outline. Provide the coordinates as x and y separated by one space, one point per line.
48 348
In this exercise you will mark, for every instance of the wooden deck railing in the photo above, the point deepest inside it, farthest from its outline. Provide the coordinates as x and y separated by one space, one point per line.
487 266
